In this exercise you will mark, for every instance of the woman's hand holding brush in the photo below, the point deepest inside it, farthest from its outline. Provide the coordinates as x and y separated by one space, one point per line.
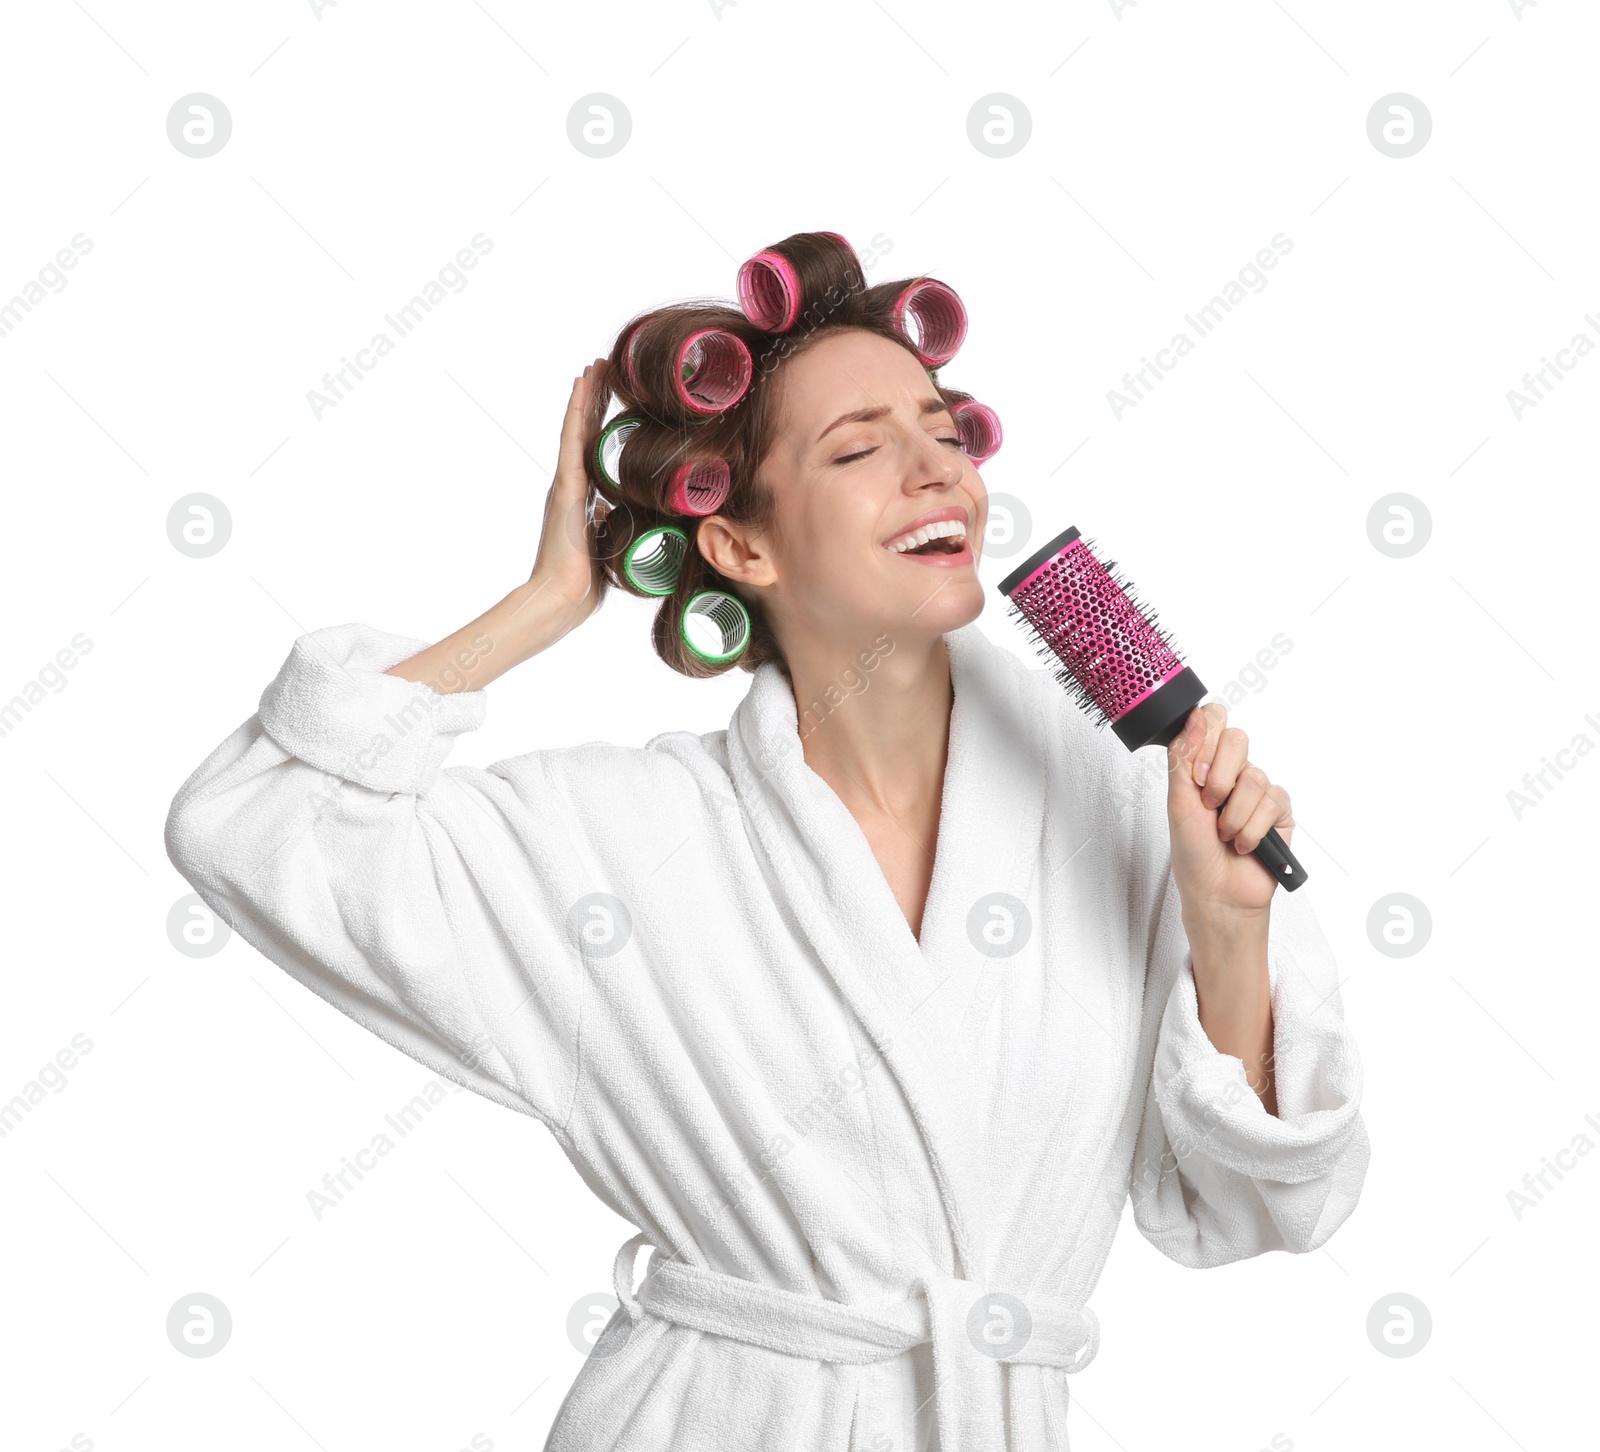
1220 805
1224 815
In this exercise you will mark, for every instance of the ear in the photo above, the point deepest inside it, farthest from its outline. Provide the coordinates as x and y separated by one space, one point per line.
735 550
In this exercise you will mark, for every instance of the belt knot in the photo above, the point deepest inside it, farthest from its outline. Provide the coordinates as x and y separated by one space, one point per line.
969 1326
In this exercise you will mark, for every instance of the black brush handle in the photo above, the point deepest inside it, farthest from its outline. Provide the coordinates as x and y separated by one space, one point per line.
1273 853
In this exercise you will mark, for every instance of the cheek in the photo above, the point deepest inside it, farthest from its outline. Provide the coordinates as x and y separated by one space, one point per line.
844 520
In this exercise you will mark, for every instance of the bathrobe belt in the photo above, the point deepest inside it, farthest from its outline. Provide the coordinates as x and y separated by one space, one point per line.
966 1324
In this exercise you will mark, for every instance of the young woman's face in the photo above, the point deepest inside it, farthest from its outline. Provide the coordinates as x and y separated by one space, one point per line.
864 452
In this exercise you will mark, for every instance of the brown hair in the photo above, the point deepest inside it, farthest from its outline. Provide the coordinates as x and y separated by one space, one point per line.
671 431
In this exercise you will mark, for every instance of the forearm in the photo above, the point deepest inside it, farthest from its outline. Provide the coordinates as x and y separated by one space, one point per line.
528 620
1234 992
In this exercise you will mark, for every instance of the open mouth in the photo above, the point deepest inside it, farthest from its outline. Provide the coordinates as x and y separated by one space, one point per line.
941 537
948 544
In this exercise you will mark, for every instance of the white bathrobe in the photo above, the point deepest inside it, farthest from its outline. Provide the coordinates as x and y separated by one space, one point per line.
881 1177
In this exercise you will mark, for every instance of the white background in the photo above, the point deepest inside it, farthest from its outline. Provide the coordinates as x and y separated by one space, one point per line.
1169 144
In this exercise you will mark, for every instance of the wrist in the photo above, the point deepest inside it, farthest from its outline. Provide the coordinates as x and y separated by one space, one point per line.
1219 937
535 615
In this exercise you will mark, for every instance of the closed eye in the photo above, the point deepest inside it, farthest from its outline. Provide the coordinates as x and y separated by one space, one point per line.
861 454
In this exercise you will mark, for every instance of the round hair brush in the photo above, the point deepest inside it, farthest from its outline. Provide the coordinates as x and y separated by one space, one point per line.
1113 658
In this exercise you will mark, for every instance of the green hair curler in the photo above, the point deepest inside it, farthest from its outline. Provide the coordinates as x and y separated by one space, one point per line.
652 561
721 622
608 450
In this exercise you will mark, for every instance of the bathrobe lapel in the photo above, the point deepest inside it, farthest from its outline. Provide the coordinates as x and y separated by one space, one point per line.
921 1004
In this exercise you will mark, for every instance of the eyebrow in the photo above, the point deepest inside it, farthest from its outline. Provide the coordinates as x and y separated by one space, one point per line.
866 415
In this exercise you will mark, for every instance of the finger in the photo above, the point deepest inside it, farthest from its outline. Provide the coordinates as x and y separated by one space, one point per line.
1215 716
596 400
1242 801
1181 755
561 477
1229 759
1185 746
1272 809
570 473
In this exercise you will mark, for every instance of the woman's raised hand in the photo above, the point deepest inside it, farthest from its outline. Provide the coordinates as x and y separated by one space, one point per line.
565 566
566 583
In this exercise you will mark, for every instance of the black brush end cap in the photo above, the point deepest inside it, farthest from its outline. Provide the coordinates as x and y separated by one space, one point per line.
1157 719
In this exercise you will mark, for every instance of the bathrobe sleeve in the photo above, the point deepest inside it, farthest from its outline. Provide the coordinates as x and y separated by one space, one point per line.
424 902
1216 1178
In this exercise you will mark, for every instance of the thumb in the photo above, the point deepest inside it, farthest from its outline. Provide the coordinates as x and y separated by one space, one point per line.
1183 793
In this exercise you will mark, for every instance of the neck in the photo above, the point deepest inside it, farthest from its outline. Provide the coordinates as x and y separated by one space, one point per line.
875 721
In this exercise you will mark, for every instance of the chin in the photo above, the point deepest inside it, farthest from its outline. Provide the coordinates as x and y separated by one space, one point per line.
943 607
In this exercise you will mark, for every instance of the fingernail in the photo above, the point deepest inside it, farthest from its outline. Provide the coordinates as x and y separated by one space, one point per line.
1202 771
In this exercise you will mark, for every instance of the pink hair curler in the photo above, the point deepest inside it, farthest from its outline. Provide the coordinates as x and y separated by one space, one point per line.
700 486
932 319
713 372
769 291
979 427
1114 659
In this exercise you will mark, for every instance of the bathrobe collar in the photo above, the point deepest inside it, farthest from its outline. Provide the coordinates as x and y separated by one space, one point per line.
923 1004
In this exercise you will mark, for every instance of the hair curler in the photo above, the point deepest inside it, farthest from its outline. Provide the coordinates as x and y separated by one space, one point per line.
608 448
714 371
769 291
979 427
1114 659
700 486
652 562
715 626
932 319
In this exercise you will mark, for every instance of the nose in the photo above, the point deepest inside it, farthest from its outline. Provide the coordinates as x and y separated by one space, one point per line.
931 461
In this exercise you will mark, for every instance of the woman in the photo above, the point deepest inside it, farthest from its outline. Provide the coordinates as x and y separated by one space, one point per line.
870 1011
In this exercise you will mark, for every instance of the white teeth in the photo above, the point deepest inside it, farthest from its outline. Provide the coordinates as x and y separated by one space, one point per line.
940 529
